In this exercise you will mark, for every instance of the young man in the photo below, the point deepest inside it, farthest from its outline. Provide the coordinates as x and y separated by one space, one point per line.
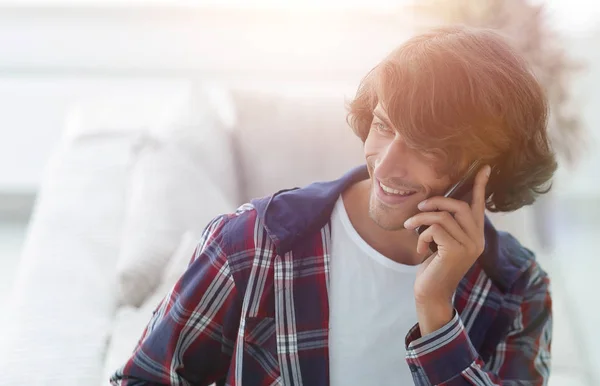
330 284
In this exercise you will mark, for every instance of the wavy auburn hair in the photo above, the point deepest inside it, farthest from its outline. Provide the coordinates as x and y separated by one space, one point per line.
464 93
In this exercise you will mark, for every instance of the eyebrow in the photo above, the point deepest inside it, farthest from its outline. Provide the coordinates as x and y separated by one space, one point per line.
381 115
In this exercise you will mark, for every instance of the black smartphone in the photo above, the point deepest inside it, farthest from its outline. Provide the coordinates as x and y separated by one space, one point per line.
461 190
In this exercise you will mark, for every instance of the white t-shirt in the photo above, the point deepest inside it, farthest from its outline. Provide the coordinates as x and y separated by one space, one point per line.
371 307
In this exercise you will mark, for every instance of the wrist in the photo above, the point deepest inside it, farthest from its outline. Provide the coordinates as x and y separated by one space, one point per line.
434 315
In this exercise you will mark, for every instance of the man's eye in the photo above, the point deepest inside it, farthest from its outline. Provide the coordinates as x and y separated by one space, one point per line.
432 156
381 127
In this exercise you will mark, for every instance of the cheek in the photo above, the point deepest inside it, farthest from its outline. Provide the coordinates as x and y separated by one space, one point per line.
434 183
439 186
374 145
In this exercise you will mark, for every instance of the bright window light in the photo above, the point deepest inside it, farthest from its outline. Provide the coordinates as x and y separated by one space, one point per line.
316 4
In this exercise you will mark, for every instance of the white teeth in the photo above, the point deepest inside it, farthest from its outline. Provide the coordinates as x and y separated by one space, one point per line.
395 191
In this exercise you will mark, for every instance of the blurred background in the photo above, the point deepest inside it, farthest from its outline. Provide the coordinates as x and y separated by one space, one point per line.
140 120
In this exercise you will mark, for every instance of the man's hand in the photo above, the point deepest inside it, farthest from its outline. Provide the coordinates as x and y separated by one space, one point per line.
457 228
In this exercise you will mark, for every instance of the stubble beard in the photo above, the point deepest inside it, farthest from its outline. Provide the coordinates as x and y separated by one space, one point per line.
386 218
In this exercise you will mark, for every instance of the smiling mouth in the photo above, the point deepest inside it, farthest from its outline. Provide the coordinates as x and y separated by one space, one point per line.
396 192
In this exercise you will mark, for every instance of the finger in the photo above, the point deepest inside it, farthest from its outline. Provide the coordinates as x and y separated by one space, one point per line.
478 202
444 219
436 233
461 210
428 258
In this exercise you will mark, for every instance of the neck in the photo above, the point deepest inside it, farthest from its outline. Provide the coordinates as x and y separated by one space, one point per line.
398 245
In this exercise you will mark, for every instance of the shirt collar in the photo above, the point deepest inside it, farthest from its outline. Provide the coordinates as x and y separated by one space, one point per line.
291 215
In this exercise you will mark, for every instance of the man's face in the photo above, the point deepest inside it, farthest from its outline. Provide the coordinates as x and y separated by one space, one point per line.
400 176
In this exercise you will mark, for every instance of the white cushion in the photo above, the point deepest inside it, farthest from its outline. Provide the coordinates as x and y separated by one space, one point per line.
178 264
180 180
147 106
130 322
291 138
63 298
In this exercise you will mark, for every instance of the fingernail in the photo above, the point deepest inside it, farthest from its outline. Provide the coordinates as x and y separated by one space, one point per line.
407 223
488 170
422 204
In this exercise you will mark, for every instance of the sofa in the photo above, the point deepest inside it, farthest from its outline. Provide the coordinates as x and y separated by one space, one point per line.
125 197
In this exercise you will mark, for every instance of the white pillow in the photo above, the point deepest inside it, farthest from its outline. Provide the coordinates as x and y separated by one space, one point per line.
58 319
130 322
128 108
311 127
181 179
178 263
63 299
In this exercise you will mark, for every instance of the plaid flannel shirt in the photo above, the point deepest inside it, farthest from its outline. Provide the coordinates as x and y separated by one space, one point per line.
252 307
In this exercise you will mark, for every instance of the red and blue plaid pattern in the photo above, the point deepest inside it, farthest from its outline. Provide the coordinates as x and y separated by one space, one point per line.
252 309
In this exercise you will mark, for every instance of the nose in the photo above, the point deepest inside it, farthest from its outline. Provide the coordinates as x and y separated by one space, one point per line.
395 159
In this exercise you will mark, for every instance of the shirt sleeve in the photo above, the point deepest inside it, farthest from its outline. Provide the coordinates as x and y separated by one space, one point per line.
447 357
189 339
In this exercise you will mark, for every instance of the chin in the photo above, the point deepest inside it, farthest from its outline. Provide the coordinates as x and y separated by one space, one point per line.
387 218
